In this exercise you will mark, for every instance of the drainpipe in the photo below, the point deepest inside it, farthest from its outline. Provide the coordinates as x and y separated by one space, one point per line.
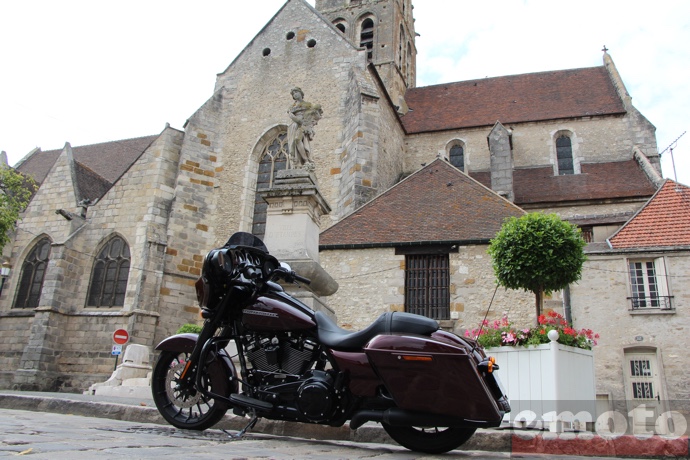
566 305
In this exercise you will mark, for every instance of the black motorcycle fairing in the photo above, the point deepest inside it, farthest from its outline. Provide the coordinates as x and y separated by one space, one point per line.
247 240
332 336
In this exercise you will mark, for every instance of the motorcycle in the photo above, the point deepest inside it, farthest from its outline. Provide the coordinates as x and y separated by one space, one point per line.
429 389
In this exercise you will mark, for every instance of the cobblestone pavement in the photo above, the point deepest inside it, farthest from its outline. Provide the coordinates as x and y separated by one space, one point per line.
39 435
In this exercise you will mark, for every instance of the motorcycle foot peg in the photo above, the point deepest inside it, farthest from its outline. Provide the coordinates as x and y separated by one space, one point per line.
250 403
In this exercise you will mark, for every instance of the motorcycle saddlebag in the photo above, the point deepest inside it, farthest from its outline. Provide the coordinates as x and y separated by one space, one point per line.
425 375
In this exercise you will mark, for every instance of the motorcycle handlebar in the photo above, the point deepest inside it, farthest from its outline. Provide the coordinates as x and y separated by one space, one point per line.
290 276
301 279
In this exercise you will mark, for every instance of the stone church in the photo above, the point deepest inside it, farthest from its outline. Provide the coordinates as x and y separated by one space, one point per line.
417 180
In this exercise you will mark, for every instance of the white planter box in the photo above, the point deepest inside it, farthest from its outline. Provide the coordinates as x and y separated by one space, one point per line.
548 385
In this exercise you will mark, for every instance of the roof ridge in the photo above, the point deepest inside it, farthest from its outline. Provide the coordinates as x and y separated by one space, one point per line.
506 76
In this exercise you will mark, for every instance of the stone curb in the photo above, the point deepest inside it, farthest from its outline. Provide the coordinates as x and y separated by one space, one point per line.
486 440
491 440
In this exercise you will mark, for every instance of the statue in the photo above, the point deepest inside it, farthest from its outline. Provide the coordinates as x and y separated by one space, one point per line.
304 116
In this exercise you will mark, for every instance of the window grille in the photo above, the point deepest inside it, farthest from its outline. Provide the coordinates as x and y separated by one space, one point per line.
33 274
564 152
109 276
427 285
273 159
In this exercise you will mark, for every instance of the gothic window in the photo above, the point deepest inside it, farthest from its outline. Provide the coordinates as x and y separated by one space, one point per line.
427 285
564 154
407 64
109 275
366 37
341 27
273 159
401 49
33 273
456 154
648 285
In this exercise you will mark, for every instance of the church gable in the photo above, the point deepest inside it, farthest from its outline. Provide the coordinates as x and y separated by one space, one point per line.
287 44
58 189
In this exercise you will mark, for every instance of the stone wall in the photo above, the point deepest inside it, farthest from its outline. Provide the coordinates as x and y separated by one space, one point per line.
63 335
595 139
372 281
608 312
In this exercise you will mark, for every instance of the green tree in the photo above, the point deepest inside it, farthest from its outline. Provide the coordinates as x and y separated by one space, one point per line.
16 191
539 253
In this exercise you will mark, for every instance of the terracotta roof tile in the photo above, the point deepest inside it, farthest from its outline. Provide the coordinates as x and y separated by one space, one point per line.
619 179
436 204
512 99
89 184
109 159
663 222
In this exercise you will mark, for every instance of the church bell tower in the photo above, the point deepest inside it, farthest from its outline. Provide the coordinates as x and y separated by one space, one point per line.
385 28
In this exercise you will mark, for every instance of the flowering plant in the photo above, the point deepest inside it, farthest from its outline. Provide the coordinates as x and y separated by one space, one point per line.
502 333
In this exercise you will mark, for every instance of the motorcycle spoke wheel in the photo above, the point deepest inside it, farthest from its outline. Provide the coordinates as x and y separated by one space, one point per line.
182 405
430 440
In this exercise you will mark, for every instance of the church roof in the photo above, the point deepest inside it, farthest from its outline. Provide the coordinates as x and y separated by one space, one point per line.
616 179
512 99
661 223
436 204
108 160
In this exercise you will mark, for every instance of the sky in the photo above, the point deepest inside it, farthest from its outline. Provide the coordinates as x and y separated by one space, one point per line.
89 71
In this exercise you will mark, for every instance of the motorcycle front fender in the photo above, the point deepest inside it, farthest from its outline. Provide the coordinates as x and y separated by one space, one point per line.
179 342
185 343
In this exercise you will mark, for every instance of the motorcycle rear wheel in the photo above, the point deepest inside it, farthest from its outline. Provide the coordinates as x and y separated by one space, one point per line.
183 407
430 440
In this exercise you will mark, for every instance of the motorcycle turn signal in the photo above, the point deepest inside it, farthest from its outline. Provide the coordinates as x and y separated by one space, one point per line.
488 365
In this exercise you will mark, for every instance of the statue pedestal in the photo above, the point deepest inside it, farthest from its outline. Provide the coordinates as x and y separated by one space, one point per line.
295 206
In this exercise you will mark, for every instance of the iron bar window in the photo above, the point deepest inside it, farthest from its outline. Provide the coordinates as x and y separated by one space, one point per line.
427 285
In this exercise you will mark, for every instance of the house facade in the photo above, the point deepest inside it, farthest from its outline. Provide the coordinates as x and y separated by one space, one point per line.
639 275
116 234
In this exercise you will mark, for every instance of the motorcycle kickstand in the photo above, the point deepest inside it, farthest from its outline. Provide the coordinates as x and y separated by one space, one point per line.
244 430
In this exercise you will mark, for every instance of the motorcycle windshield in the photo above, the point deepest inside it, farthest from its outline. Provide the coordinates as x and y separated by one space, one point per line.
246 239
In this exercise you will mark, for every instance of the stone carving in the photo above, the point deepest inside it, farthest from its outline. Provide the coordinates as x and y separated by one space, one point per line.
304 116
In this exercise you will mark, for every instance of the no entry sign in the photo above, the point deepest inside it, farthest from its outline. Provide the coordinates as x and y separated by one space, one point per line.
121 336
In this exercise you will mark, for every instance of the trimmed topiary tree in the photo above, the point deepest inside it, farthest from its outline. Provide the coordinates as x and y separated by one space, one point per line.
539 253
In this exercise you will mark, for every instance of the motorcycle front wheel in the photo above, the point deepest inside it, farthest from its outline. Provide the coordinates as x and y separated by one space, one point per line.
180 403
430 440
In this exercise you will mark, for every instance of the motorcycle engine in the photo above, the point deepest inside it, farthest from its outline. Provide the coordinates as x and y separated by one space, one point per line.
288 355
282 369
316 396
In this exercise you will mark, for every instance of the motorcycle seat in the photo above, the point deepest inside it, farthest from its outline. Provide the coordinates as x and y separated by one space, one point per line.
333 336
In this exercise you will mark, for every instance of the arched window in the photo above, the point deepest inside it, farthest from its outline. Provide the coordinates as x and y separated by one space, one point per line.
407 64
456 154
564 154
401 49
109 275
33 273
273 159
366 37
341 27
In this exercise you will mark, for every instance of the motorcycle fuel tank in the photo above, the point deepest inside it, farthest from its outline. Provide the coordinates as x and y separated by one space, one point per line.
275 313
